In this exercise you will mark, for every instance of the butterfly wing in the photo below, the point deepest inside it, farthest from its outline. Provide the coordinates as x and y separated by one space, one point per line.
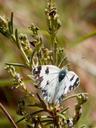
70 82
48 77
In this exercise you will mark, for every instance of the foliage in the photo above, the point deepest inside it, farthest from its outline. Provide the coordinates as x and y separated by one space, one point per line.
35 112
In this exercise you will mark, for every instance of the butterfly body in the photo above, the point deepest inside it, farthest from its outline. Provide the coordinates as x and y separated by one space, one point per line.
54 82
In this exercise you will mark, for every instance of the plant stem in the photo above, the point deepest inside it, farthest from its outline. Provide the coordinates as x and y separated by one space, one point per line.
8 116
17 64
73 96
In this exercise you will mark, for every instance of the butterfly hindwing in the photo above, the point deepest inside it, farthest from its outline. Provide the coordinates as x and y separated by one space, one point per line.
69 83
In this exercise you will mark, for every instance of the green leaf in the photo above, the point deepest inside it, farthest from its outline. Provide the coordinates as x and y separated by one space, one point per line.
17 64
10 24
82 39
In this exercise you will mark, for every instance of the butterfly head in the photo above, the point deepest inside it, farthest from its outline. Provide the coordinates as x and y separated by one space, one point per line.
37 70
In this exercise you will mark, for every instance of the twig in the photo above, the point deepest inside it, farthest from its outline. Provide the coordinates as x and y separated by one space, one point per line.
17 64
8 116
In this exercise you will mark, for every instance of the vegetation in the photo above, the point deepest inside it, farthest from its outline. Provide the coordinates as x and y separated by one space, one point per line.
38 47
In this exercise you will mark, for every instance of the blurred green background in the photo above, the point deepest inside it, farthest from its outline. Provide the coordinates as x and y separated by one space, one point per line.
78 19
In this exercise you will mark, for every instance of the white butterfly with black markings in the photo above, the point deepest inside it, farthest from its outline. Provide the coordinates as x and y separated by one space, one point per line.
55 83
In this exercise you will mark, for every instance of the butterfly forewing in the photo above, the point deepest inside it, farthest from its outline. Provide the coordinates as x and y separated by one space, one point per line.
48 76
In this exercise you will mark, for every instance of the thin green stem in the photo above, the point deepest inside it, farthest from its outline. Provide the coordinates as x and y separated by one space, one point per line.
8 116
17 64
24 55
20 47
34 113
81 39
73 96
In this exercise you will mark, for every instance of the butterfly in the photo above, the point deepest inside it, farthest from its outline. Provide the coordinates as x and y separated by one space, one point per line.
54 82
